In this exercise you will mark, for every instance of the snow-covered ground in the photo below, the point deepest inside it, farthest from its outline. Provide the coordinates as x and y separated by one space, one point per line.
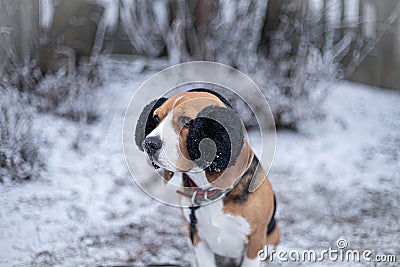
338 178
341 178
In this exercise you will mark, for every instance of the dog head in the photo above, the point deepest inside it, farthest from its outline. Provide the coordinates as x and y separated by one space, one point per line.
191 131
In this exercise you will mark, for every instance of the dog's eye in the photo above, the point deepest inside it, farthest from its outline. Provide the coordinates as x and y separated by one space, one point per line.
184 122
156 119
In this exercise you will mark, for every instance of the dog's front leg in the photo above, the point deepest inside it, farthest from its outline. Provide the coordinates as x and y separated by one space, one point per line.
256 241
248 262
204 256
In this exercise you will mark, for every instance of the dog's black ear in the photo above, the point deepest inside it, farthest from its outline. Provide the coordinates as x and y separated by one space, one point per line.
215 138
223 99
146 123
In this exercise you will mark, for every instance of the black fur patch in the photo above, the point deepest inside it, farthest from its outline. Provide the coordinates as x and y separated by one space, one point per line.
272 223
146 123
223 99
244 182
224 127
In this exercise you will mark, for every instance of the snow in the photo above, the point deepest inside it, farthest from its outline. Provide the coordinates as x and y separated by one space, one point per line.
337 178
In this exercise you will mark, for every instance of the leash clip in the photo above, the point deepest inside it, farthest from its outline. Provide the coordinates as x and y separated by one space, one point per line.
193 198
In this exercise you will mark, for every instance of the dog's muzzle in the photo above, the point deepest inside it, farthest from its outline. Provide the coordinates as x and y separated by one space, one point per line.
152 145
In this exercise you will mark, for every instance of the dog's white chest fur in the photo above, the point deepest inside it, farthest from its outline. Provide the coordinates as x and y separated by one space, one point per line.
225 234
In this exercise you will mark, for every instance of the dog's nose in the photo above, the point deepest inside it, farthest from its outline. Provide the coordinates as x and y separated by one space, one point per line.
152 144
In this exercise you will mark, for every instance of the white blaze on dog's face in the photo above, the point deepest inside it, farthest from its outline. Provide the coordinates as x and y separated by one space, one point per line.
168 154
174 117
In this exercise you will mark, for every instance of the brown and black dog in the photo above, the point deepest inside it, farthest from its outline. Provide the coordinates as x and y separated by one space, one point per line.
198 135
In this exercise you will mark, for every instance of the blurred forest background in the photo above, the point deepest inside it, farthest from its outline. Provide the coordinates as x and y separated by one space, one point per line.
292 49
69 67
53 33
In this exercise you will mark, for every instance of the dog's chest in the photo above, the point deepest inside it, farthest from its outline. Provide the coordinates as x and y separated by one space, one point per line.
225 234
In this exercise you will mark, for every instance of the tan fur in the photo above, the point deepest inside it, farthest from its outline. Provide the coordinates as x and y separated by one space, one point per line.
202 100
167 176
274 237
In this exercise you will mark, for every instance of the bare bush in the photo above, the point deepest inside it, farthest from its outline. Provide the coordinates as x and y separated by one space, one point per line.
66 93
298 67
20 156
70 96
53 75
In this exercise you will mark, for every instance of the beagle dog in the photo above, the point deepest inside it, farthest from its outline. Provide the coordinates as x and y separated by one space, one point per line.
199 136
